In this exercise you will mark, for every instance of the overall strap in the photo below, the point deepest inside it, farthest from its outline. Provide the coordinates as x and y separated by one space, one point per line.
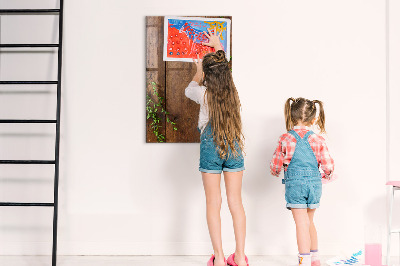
294 133
303 164
308 134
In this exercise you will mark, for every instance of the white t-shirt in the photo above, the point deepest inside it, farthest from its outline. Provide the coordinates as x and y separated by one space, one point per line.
196 93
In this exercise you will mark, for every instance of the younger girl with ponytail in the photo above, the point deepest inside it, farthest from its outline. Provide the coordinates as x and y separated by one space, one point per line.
302 153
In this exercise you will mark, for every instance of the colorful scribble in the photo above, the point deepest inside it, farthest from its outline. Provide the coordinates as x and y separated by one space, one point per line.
185 37
219 26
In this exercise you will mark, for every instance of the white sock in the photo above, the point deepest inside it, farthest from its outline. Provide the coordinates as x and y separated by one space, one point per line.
305 260
314 255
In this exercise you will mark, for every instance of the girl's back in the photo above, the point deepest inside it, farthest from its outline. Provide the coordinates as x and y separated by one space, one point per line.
287 146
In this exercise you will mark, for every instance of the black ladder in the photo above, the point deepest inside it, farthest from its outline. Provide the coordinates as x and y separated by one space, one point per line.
57 82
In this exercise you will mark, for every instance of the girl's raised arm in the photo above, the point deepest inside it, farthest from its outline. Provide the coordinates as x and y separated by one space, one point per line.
199 70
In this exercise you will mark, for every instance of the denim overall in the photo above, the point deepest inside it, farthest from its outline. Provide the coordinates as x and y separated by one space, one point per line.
211 162
302 181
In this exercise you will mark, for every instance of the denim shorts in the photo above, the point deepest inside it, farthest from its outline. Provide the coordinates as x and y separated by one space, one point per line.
303 193
211 161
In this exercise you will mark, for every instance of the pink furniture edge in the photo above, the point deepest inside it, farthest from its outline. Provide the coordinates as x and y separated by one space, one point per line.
393 183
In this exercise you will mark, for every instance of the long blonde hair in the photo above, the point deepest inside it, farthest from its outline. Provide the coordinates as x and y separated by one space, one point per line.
303 110
223 104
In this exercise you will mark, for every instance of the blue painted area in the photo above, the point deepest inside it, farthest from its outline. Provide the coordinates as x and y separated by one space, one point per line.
198 27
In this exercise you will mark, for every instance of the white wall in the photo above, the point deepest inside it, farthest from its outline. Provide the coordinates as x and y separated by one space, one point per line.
120 195
394 110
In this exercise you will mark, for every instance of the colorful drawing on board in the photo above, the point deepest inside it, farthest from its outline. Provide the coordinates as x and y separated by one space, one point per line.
183 37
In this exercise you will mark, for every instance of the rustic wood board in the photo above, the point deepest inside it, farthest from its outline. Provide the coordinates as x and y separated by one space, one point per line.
173 78
155 66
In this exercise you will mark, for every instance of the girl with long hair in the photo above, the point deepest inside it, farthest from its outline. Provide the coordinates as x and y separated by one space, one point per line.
221 147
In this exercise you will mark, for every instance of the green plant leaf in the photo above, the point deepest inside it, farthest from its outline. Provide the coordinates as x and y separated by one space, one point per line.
154 108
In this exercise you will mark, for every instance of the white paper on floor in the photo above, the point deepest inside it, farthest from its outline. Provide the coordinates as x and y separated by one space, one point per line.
350 258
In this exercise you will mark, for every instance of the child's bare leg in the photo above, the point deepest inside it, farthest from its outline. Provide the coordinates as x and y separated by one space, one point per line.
212 188
315 261
313 230
302 221
233 184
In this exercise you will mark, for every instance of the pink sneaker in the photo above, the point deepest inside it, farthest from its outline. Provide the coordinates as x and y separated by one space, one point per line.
211 261
231 260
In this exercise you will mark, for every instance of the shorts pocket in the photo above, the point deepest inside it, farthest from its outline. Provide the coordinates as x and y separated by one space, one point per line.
208 158
293 191
317 187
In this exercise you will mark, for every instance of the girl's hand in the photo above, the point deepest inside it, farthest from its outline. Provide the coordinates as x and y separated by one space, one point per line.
199 70
213 39
199 64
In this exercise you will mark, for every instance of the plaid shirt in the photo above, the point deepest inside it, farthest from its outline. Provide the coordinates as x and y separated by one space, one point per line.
287 144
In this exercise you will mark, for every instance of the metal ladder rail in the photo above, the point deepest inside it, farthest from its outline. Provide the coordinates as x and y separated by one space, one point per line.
56 161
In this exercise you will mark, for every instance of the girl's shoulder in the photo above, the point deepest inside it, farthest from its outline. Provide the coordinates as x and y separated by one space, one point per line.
286 137
195 92
316 138
194 84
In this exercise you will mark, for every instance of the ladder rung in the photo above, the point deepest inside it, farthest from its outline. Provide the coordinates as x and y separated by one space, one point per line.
38 204
395 231
33 45
27 161
28 11
29 82
26 121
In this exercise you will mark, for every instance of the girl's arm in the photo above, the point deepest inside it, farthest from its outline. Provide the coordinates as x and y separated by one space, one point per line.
199 70
194 91
277 159
327 163
212 42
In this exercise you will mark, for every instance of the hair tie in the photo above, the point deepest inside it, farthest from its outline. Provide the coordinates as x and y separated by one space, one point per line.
219 64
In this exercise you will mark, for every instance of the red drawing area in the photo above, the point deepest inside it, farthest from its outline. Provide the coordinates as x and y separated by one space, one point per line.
181 46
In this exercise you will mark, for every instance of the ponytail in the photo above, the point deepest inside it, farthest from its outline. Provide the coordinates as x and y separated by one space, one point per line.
321 116
288 114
